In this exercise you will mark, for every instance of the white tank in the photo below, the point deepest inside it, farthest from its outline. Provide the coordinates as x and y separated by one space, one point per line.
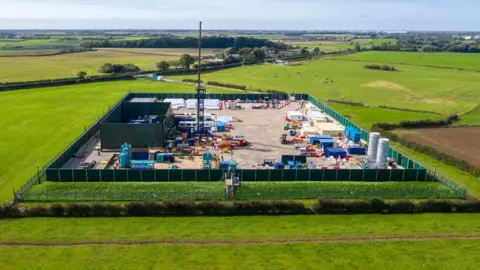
373 146
382 153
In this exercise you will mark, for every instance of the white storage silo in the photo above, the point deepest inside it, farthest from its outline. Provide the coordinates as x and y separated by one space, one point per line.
382 153
373 146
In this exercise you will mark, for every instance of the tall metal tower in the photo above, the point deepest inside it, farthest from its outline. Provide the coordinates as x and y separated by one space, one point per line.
201 91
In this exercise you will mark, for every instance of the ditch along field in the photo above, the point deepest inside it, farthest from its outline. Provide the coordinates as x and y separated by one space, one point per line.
413 87
38 123
465 61
428 241
14 69
461 142
64 192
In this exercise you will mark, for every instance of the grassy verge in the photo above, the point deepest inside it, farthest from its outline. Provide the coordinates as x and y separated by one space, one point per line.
438 254
125 191
344 190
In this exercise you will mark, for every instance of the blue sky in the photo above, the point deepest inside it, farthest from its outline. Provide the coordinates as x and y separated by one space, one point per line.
245 14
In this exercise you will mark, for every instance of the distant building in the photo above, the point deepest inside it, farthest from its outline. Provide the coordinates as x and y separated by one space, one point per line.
214 60
467 37
477 37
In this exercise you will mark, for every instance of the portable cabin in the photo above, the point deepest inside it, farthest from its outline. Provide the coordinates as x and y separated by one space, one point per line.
308 131
316 138
353 134
327 143
295 116
355 150
331 129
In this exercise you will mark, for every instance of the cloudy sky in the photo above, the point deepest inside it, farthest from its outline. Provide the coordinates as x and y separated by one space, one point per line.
245 14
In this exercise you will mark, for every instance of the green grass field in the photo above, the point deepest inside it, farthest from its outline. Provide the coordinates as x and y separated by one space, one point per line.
125 191
435 254
466 61
471 119
421 88
52 42
13 69
38 123
365 117
343 190
454 254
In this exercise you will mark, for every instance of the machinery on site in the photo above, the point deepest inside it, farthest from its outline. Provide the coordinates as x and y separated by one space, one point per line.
284 140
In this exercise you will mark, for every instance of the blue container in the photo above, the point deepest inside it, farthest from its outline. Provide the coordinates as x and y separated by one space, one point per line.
316 139
336 152
356 150
207 156
353 134
311 165
160 158
124 160
279 166
327 143
140 156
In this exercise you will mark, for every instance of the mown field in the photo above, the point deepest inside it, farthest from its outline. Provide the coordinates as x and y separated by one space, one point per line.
38 123
13 69
421 88
365 117
454 254
471 119
57 42
342 190
466 61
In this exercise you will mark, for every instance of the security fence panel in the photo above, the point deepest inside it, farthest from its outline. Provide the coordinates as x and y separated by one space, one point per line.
421 175
52 175
397 175
370 175
303 175
289 175
343 175
202 176
133 176
80 175
411 164
161 175
356 175
262 175
107 175
93 175
247 175
175 175
410 175
66 175
147 176
316 175
121 176
276 176
383 175
330 175
216 175
189 176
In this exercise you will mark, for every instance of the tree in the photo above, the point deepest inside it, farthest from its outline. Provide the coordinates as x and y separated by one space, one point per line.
260 54
106 68
229 50
230 60
186 60
82 74
164 65
304 52
357 47
251 58
316 51
244 51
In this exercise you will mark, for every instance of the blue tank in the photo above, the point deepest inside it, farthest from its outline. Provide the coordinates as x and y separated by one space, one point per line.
124 160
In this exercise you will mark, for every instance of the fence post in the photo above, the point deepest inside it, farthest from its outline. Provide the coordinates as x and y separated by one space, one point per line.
390 178
73 176
403 177
376 178
309 174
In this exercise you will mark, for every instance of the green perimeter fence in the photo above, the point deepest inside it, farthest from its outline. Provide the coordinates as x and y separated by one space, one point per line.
54 172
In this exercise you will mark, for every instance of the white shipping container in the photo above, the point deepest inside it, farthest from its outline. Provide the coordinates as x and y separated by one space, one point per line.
295 116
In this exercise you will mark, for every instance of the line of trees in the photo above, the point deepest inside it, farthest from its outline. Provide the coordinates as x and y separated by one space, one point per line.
429 44
187 42
117 68
381 67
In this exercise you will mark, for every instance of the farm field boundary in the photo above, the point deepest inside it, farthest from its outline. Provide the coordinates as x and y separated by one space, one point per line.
319 240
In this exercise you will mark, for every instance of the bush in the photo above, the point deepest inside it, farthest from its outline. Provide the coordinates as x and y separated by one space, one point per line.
214 208
227 85
10 211
57 210
290 207
381 67
136 209
378 206
37 211
329 206
401 207
191 81
99 210
78 210
179 208
113 210
351 103
469 206
435 206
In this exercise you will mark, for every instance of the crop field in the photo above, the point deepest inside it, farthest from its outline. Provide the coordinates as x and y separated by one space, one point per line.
421 88
57 115
164 51
367 116
451 253
342 190
125 191
14 69
323 45
466 61
27 52
50 43
458 142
